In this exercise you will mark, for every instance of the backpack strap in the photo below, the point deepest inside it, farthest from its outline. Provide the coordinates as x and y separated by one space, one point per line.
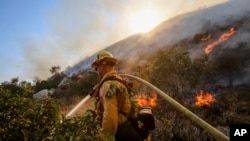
99 85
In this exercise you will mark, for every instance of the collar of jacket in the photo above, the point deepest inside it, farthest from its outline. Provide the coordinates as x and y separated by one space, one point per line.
107 75
97 86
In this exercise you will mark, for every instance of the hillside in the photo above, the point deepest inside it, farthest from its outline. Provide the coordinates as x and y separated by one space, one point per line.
173 31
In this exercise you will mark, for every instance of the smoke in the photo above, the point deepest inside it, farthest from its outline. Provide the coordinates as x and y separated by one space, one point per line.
76 30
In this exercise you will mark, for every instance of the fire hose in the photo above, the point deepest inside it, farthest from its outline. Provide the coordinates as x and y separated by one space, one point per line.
206 126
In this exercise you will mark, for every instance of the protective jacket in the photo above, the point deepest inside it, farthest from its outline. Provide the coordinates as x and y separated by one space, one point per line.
113 99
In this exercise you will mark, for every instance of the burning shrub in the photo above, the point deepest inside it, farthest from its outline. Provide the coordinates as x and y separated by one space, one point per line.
147 100
204 99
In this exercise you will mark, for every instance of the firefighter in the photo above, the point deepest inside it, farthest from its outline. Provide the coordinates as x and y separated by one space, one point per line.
113 103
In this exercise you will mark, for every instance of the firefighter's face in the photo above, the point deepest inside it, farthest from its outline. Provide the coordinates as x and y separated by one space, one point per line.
100 69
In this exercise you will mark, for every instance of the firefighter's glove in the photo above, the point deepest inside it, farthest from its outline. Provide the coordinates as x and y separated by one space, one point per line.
113 90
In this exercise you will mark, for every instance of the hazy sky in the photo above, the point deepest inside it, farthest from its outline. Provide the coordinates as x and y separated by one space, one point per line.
38 34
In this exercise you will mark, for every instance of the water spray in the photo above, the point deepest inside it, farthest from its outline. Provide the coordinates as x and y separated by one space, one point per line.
85 99
206 126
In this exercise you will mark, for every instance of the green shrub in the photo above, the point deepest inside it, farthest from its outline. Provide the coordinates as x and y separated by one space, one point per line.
23 119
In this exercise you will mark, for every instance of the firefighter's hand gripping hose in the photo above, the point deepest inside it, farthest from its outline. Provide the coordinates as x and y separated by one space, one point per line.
216 133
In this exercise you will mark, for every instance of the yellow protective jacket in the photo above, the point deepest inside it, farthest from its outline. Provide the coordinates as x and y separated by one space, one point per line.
113 97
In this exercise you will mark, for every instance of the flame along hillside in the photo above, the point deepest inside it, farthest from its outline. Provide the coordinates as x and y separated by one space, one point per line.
223 37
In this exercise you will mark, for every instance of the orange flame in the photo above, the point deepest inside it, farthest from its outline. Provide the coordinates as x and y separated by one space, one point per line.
79 76
222 38
206 38
204 99
146 100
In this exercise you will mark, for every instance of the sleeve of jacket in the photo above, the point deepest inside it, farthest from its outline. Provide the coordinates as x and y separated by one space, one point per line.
110 114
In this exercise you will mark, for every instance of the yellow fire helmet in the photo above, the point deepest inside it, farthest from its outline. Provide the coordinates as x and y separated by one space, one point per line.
104 57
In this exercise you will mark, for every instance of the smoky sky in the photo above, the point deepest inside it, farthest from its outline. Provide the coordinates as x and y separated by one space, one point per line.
78 29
